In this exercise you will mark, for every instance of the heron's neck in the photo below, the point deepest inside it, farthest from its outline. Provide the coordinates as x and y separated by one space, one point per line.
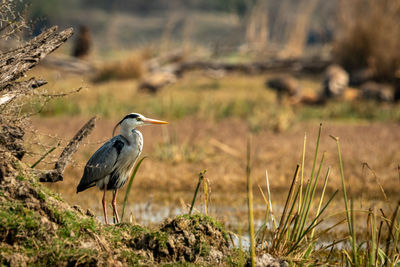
131 134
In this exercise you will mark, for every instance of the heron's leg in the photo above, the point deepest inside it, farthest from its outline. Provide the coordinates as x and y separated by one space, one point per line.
114 205
104 204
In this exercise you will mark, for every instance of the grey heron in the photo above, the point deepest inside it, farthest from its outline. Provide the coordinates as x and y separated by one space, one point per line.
110 166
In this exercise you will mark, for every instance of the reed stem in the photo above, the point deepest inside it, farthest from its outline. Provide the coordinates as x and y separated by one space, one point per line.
201 177
250 206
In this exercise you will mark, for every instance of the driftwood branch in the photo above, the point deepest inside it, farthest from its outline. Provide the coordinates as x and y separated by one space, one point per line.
56 174
14 63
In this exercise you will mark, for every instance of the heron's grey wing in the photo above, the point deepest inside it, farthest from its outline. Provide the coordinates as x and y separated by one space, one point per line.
101 163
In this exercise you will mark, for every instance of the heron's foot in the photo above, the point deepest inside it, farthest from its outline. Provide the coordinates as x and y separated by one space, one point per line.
115 211
117 218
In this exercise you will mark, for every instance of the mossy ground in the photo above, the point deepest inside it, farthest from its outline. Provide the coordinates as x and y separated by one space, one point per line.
37 228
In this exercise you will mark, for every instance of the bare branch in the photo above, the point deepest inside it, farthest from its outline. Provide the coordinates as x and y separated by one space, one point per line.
56 174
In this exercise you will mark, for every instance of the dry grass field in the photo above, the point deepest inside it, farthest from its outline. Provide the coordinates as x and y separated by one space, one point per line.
210 121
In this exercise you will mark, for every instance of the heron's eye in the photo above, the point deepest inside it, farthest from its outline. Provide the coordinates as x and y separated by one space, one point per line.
139 119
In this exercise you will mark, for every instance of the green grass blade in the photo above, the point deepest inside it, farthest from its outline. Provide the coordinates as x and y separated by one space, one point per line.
318 209
316 151
250 207
313 224
349 222
306 202
284 219
201 177
302 170
128 190
44 156
286 224
322 194
310 196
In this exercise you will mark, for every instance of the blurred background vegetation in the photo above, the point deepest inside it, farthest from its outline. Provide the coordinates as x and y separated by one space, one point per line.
219 25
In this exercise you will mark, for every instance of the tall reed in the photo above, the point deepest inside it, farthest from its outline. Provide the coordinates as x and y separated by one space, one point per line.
295 235
201 178
250 205
128 190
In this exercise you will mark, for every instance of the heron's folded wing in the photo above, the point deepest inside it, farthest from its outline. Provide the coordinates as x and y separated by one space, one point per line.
100 164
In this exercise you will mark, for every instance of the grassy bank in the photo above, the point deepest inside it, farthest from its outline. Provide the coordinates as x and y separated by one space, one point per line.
37 228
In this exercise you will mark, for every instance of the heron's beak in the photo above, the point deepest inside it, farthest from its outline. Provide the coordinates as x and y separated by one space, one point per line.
151 121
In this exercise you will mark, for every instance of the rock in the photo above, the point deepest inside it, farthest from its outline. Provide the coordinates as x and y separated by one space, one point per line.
266 260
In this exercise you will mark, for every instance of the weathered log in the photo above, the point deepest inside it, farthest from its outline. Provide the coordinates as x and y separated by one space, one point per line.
56 174
296 65
14 63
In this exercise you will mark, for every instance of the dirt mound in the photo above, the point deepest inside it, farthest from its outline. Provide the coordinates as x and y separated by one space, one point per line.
185 239
38 228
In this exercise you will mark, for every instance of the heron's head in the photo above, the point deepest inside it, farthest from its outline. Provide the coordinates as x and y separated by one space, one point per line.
133 120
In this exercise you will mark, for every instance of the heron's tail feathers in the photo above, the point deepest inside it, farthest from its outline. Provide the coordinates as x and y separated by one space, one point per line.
83 186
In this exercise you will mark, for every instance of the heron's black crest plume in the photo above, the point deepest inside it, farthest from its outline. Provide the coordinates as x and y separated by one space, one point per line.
129 116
